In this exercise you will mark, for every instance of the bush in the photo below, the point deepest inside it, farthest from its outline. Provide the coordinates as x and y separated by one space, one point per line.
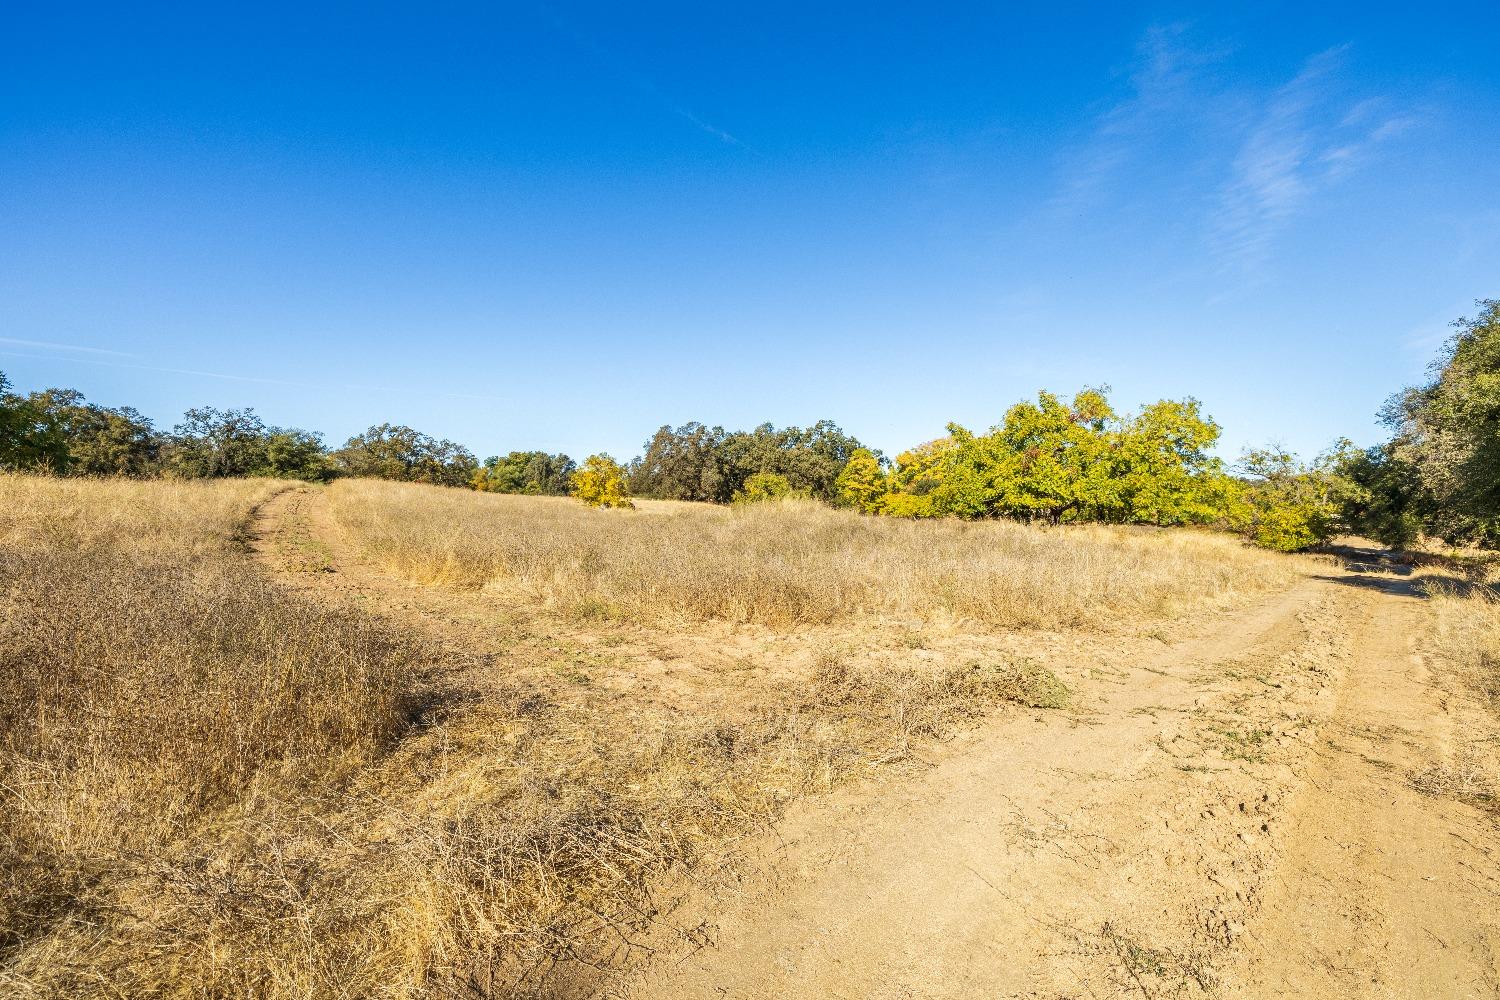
765 486
534 473
1287 506
601 483
907 505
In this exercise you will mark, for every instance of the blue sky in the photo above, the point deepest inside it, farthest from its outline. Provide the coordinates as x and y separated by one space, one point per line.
561 226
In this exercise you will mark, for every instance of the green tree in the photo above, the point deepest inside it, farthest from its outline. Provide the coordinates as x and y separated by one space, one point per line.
1444 459
212 443
30 440
394 451
294 454
1385 499
1047 461
601 483
531 472
1162 471
684 463
810 458
920 470
100 441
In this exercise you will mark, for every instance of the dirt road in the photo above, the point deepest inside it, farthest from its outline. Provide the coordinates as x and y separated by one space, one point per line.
1235 814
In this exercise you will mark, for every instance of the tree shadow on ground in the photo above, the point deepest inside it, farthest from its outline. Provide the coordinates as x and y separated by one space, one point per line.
1420 588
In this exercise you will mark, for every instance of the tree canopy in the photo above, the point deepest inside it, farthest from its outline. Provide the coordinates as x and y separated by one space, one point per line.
30 440
1441 468
394 451
100 441
211 443
532 472
1059 462
697 462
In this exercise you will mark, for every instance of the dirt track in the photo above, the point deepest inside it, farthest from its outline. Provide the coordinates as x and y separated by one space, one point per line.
1233 814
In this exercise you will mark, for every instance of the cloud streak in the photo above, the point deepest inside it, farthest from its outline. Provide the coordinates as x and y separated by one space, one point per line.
55 346
1238 164
1299 144
639 80
197 373
1165 85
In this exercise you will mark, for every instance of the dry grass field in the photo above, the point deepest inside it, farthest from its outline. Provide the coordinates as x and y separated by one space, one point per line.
470 747
792 563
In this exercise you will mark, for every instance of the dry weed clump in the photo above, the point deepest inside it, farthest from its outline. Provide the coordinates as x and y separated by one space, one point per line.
793 563
1466 651
155 695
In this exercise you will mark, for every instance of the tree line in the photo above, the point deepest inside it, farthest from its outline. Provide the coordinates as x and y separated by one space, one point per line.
1079 460
1052 460
59 432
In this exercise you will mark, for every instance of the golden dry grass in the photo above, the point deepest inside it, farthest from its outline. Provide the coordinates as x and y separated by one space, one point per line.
1466 655
213 787
180 520
1469 634
159 701
793 563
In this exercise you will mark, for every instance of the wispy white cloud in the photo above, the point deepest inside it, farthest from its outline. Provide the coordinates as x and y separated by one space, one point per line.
55 346
1236 163
1166 83
711 129
1300 141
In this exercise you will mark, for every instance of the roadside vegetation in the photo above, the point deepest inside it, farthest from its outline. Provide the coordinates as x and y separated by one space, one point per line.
162 709
1048 461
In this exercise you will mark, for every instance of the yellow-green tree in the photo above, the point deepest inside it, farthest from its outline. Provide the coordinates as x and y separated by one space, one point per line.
765 486
601 483
1163 471
862 483
1289 506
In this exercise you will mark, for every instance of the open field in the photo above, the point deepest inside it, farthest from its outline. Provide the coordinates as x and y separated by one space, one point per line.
793 563
375 740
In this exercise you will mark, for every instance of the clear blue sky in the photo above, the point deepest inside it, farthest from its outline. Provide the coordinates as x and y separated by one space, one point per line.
560 226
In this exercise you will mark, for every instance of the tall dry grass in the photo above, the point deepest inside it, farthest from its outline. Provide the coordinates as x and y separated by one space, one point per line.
214 787
1468 635
1465 655
794 563
158 700
179 520
211 787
